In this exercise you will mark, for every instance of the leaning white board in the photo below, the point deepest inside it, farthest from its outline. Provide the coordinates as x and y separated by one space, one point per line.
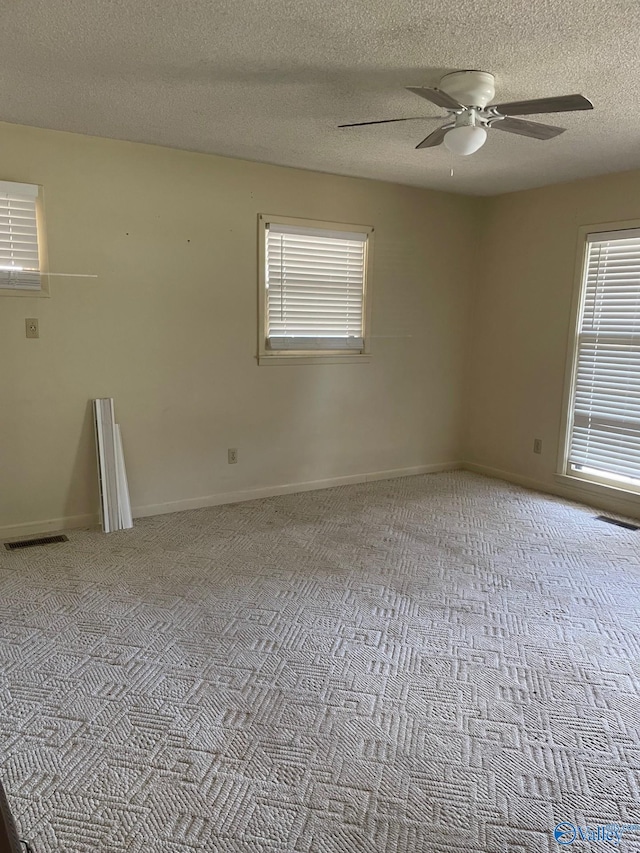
122 485
115 506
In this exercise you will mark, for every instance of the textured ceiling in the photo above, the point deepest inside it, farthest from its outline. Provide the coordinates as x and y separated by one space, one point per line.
269 80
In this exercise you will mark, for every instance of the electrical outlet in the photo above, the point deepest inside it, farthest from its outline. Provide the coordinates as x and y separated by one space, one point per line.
232 455
32 327
537 445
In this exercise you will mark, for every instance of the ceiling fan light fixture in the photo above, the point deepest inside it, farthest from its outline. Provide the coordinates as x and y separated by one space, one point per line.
467 96
465 140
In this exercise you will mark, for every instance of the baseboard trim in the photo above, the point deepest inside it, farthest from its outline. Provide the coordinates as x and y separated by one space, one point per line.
590 495
289 488
50 525
622 506
76 521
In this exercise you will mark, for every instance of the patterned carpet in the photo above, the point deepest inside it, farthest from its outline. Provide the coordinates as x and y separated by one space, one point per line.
434 663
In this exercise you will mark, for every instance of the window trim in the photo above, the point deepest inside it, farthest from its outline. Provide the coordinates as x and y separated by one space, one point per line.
564 472
42 250
267 356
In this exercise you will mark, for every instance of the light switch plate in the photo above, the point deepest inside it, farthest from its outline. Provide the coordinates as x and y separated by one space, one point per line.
32 327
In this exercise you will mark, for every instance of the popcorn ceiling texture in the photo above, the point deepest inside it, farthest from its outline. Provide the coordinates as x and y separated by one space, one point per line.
271 81
435 664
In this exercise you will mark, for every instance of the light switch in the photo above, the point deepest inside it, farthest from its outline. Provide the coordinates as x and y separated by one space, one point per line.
32 327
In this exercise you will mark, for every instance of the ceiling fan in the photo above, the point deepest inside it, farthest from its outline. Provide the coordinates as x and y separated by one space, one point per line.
466 96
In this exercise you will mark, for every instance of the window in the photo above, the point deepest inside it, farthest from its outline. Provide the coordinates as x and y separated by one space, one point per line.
313 290
20 268
604 413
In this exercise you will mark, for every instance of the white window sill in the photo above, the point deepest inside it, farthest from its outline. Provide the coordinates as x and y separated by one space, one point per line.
313 358
25 294
596 487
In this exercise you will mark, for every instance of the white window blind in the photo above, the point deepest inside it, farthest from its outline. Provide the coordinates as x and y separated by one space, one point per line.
605 433
19 258
315 288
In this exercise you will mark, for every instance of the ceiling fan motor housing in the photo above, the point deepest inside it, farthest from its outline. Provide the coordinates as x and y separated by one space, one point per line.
470 88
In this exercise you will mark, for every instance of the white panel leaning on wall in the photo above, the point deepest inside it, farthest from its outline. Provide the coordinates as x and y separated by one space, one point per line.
115 506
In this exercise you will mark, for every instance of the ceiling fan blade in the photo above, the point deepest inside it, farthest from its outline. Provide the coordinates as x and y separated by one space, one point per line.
389 120
437 97
533 129
561 104
436 137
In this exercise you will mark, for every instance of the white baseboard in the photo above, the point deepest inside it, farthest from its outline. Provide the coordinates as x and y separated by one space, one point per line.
289 488
591 494
29 528
50 525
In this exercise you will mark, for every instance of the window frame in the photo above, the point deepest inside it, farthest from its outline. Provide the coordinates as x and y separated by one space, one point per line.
275 357
594 483
44 290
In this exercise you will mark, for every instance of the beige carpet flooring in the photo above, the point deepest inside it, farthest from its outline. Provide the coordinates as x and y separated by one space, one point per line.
434 663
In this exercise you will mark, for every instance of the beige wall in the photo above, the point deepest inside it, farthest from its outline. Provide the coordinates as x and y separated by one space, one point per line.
169 330
522 317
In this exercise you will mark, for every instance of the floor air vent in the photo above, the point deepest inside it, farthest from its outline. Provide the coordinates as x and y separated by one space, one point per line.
626 524
31 543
